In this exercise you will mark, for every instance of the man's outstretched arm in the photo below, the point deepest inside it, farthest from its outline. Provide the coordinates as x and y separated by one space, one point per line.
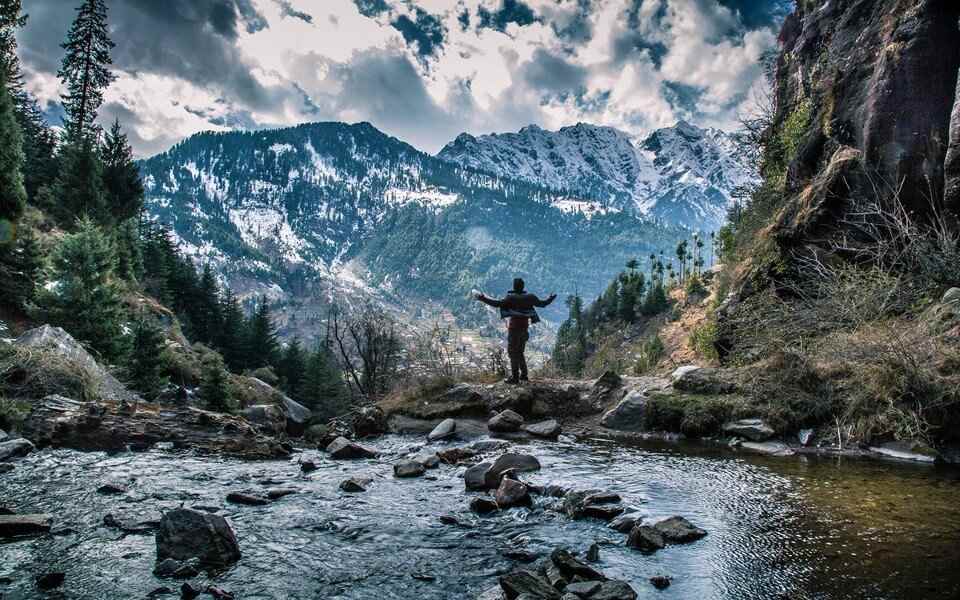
489 301
545 303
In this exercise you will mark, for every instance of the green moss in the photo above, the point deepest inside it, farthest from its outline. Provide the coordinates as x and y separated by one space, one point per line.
13 413
694 415
794 129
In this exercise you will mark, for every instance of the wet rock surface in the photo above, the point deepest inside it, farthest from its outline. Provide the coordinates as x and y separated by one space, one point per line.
14 525
755 430
343 449
186 533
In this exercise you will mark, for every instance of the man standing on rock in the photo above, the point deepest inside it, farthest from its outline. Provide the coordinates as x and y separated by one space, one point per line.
518 307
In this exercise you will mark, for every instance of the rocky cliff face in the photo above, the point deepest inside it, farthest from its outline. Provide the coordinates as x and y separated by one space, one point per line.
875 81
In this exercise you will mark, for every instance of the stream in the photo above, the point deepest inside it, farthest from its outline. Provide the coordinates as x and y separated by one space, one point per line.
797 527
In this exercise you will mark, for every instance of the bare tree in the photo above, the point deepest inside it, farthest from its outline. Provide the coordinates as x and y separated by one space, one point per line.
369 346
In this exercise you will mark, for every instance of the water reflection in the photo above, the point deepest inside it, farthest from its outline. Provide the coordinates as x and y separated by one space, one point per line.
794 528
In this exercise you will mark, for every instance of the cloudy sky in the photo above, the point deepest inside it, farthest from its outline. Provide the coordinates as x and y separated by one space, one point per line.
421 70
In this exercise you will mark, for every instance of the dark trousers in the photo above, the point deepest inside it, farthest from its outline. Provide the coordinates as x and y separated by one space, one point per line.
516 345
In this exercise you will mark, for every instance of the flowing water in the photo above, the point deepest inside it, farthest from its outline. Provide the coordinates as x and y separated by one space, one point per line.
778 528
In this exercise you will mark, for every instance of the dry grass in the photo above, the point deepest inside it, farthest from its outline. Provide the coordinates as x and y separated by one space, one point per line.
33 373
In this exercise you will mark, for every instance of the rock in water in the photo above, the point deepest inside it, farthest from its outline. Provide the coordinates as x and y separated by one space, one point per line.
483 506
527 582
475 477
614 590
646 539
755 430
447 428
185 533
15 448
17 525
512 493
519 463
342 448
428 459
4 436
356 484
583 589
548 429
50 581
247 499
6 468
661 582
678 530
298 416
369 421
452 456
571 566
112 488
507 421
628 414
408 468
625 522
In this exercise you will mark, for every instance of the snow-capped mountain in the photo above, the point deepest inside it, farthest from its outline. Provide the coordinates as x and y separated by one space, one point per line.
681 174
334 212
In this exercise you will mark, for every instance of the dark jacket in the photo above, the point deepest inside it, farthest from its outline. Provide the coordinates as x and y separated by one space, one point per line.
518 305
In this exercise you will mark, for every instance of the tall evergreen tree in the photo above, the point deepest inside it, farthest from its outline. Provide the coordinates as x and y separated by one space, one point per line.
144 366
78 190
21 270
85 70
213 389
13 196
121 177
262 345
85 299
129 255
206 308
292 365
323 389
39 146
232 335
11 19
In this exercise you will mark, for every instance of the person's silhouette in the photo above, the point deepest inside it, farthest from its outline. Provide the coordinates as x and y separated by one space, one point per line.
518 308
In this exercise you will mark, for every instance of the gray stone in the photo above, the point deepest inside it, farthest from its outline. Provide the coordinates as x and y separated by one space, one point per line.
277 493
952 297
507 421
646 539
628 414
408 468
805 436
428 459
483 505
593 553
518 463
185 533
298 416
582 589
112 488
6 468
355 484
267 417
769 448
512 493
661 582
549 429
18 525
571 566
318 434
170 567
342 448
522 582
678 530
911 450
4 436
452 456
474 478
755 430
15 448
447 428
604 512
489 445
614 590
625 522
703 380
246 499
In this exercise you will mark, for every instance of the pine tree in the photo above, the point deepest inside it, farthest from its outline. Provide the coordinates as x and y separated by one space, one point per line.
39 146
85 299
121 177
85 69
262 345
10 19
78 190
323 389
13 196
214 391
129 256
21 270
232 335
292 365
206 312
144 365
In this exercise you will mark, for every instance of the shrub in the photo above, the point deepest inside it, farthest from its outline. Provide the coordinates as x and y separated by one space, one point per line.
703 339
266 375
695 287
651 351
13 413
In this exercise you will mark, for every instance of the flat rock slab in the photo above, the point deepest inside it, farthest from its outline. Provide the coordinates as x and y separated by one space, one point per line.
678 530
768 448
506 422
906 450
20 525
548 429
522 582
755 430
646 539
571 566
15 449
247 499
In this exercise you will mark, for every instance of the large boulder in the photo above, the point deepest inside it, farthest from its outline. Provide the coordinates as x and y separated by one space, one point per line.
512 493
369 421
343 449
445 429
646 538
678 530
298 416
571 566
507 421
755 430
517 463
703 380
522 582
96 380
475 478
628 414
185 533
269 418
14 449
